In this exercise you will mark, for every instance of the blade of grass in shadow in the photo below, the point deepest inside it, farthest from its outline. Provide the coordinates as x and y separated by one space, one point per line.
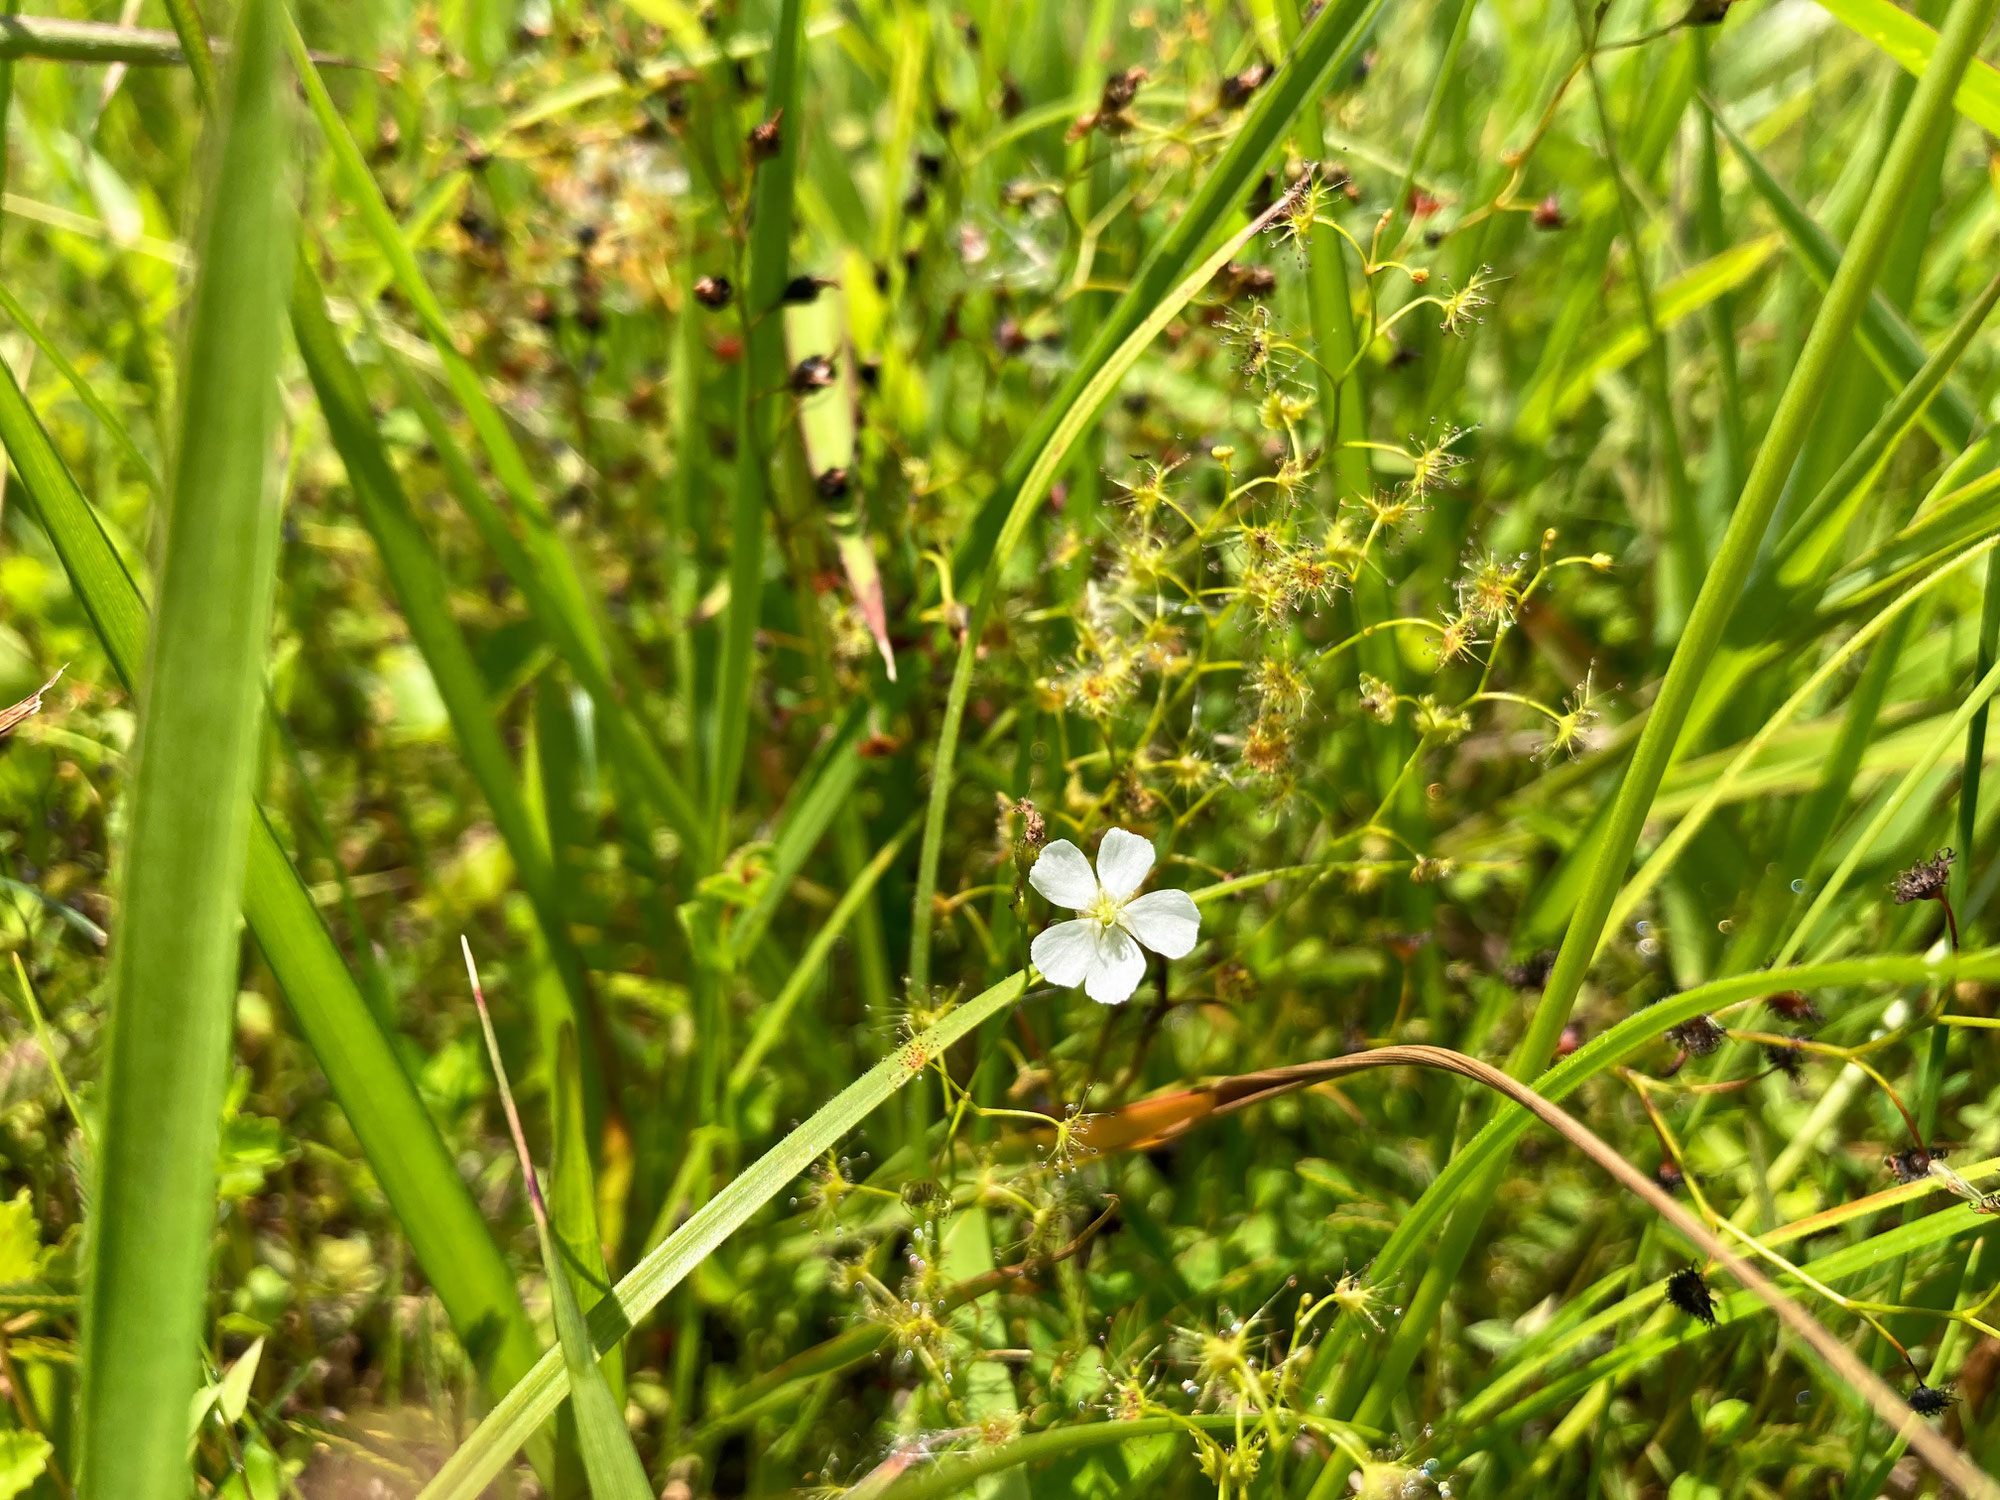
763 376
627 737
1849 292
422 593
1890 344
1881 441
561 579
1081 412
396 1134
812 962
176 951
609 1460
518 1413
106 418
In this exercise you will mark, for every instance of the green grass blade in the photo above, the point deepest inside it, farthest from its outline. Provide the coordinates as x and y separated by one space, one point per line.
573 1196
1691 292
824 788
1848 293
1910 43
59 40
522 1409
176 952
610 1462
1883 332
106 418
502 452
756 430
1895 423
812 963
1718 789
193 36
1859 848
421 591
396 1134
559 623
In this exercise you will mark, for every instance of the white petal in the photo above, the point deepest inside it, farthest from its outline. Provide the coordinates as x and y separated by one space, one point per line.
1063 875
1116 968
1168 922
1066 952
1122 862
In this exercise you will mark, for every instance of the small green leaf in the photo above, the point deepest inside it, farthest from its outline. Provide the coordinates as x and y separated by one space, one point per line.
23 1457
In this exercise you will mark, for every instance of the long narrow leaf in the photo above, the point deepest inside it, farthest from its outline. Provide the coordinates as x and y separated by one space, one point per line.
420 589
1892 347
175 953
1908 41
474 1465
396 1134
762 374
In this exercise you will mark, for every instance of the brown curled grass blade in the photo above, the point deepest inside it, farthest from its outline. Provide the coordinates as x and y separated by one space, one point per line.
1152 1122
14 715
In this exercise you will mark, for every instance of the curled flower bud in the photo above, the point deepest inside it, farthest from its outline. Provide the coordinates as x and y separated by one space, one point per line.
1785 1057
804 289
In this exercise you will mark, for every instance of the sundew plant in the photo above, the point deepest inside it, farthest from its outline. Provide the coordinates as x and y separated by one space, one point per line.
856 747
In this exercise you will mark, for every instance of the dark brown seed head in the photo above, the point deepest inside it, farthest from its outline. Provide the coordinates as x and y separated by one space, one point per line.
1701 1035
813 373
1120 89
714 292
768 138
1794 1006
1532 972
1687 1291
1932 1400
1785 1057
801 290
1238 87
1924 880
1913 1165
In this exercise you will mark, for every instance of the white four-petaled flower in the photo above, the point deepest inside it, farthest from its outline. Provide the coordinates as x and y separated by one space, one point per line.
1100 950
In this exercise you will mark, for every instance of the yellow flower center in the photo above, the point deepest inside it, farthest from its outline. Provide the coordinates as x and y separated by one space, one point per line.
1104 910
